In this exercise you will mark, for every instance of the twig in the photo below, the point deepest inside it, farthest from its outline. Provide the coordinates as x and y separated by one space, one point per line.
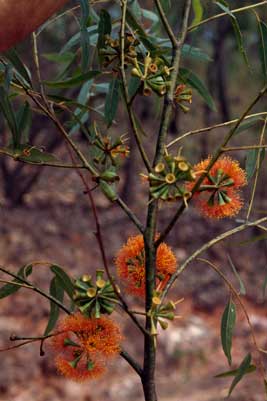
132 362
235 11
208 245
212 127
36 289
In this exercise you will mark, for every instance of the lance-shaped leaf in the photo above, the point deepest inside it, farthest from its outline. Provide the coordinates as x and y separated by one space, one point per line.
242 289
57 291
112 101
251 368
198 11
193 80
73 81
227 328
241 371
238 34
104 28
13 58
251 161
262 28
64 280
9 289
85 38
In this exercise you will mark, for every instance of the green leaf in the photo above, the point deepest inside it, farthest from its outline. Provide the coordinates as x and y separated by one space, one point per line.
198 11
225 7
9 289
195 53
239 38
262 27
241 371
144 38
84 38
59 58
227 328
74 81
64 279
57 291
242 289
112 101
20 67
104 28
193 80
251 122
8 112
24 118
250 369
251 161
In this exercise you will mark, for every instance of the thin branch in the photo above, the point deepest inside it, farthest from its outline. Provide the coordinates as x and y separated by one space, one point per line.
235 11
132 362
212 127
35 289
207 246
166 24
131 215
245 147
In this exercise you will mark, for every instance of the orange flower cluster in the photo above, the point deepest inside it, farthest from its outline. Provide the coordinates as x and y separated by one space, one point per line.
219 193
84 345
130 263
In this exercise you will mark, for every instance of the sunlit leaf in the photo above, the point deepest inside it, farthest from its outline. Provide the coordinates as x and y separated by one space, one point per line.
198 11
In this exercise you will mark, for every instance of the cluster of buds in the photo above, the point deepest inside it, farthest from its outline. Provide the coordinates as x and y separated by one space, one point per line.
182 95
161 312
154 75
112 50
109 150
94 298
169 178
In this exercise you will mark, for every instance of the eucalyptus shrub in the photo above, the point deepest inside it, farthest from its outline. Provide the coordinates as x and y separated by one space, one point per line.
127 51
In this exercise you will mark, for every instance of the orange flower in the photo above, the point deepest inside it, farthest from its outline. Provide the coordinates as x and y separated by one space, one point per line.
219 194
84 345
130 263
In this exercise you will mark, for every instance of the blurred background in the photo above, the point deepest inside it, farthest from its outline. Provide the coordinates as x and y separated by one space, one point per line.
45 216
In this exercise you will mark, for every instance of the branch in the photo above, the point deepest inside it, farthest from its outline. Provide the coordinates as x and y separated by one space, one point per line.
132 362
208 245
212 127
36 289
166 24
235 11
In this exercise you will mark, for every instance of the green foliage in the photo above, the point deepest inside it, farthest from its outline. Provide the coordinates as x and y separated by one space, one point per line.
227 328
